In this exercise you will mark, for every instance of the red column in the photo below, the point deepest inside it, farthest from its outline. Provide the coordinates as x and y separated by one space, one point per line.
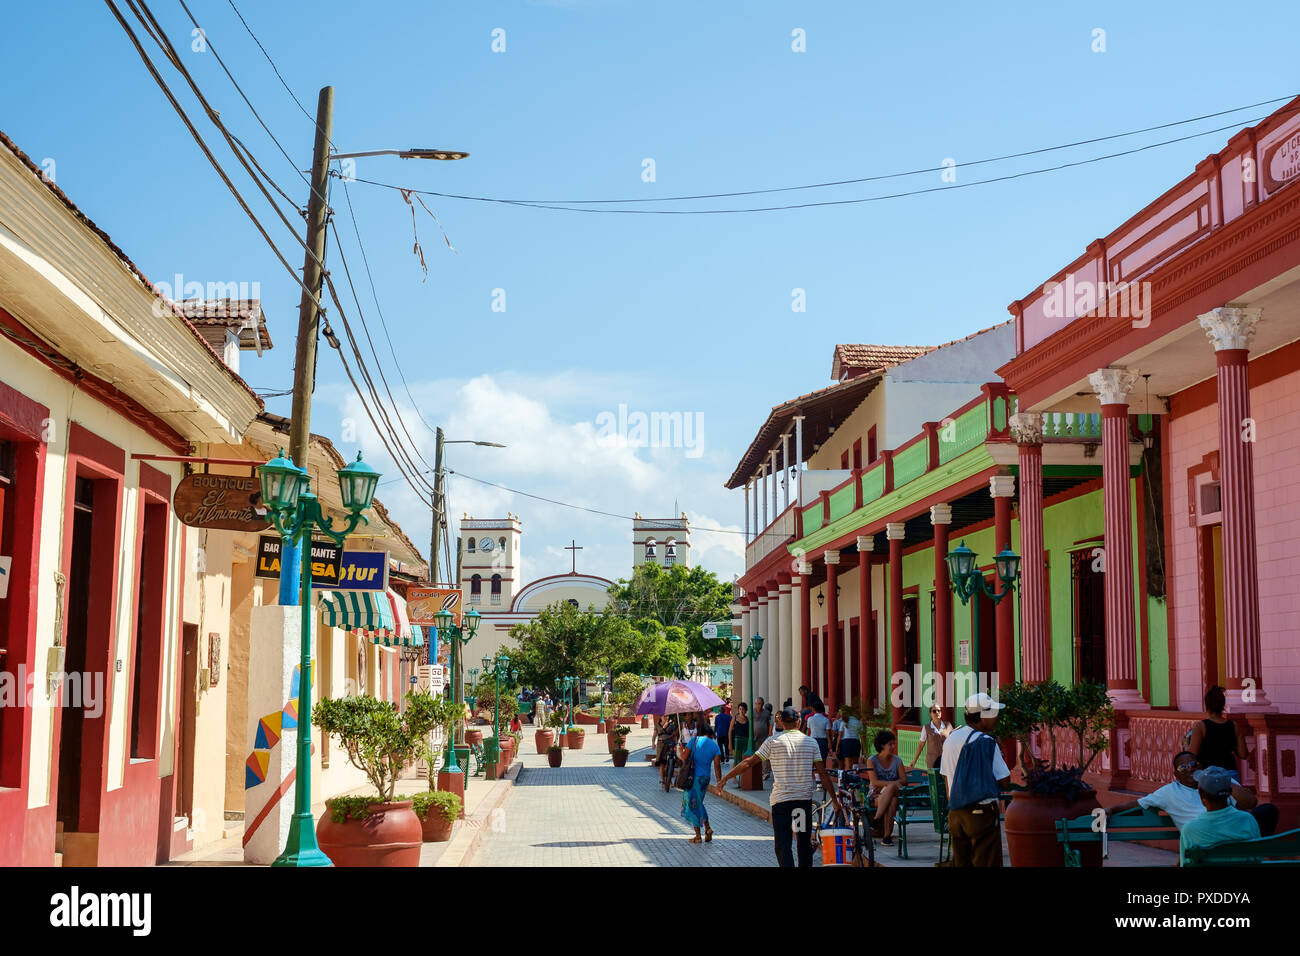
941 520
805 625
1035 640
1002 487
835 648
866 646
1231 331
1112 386
894 532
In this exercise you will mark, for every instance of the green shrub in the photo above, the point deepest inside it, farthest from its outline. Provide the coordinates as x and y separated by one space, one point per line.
444 802
378 740
343 809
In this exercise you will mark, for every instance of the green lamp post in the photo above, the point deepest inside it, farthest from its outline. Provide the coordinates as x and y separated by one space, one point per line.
749 654
296 513
570 685
968 582
500 670
457 636
472 683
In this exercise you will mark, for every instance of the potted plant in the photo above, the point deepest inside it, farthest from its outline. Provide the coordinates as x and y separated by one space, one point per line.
437 810
543 738
620 757
1054 790
554 755
373 830
555 721
576 735
617 738
473 736
627 688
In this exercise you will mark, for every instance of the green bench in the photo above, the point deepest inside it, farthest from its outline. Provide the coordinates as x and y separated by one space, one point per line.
1125 826
1282 849
915 802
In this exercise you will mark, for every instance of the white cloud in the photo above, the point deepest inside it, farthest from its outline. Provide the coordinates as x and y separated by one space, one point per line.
554 450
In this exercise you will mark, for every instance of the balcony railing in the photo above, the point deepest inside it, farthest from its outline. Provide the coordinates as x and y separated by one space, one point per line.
776 535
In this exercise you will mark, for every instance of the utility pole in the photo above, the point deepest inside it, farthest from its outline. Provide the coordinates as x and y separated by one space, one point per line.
304 363
437 510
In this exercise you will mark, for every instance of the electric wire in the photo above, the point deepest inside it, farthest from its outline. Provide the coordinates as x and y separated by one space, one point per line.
203 146
810 205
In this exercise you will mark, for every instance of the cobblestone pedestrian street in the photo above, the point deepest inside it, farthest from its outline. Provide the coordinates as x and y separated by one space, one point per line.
590 813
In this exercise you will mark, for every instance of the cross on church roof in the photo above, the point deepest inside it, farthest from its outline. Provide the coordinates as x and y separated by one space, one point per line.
575 548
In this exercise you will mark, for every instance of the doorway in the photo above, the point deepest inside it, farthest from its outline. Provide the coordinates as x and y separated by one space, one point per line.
1216 654
189 699
1089 587
911 655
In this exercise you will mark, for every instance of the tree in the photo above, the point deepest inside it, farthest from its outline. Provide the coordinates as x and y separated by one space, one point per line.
680 600
563 641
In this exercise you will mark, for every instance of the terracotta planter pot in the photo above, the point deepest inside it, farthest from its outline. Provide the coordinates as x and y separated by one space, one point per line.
620 758
436 828
1031 829
390 836
473 737
645 723
554 757
544 739
613 741
575 740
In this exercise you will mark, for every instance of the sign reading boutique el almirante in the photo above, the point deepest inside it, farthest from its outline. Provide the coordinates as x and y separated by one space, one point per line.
222 502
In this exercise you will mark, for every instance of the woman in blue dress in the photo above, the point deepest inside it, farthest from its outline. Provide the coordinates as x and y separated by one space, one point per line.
708 760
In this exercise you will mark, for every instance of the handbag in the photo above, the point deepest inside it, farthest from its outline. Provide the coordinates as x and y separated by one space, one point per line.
686 773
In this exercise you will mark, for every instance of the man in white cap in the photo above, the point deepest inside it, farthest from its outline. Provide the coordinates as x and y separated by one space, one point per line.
974 769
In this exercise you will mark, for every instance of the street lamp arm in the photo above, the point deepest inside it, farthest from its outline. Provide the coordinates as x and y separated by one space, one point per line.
417 153
327 526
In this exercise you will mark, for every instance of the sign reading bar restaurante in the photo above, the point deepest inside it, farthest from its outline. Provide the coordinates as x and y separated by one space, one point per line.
325 561
220 502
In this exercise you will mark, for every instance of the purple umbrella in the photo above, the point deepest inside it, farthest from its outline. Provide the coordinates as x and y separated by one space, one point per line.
676 697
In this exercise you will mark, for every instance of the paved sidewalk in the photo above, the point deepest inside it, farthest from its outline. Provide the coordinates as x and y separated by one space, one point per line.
590 813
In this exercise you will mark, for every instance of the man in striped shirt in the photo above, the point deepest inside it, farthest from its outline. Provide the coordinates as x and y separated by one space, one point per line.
793 757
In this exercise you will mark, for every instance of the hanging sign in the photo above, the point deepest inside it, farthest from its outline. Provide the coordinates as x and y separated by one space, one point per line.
423 603
326 561
220 502
963 652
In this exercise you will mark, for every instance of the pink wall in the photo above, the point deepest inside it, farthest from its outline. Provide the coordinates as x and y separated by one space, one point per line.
1275 406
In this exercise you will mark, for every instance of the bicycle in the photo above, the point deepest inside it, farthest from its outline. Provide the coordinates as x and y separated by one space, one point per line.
851 790
668 768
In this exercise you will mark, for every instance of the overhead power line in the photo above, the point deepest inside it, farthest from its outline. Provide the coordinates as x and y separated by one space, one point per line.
537 204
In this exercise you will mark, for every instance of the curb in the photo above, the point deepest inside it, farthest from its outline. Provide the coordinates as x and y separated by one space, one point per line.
753 809
469 832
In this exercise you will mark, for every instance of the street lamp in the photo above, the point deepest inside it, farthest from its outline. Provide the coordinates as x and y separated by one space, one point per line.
501 670
473 681
296 513
457 636
968 581
749 654
569 685
416 153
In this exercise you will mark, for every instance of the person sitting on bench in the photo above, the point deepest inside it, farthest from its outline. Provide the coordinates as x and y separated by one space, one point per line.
1221 822
1182 801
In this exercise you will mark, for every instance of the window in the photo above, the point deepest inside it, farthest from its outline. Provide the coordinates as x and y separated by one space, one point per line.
496 589
502 542
475 589
670 552
857 453
844 460
150 625
469 544
871 445
650 549
572 601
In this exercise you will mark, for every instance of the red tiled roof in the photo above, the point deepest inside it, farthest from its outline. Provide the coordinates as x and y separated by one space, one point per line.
228 314
870 358
122 256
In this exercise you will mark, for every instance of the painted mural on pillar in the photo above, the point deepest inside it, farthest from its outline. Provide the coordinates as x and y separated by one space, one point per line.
269 731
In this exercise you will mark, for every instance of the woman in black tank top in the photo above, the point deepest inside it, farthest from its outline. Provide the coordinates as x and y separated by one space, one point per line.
1216 741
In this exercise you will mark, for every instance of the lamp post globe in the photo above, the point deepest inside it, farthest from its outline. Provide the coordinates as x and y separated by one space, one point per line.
357 483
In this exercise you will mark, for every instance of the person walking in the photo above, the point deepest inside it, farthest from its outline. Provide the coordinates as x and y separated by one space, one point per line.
739 732
848 746
794 758
722 730
933 734
819 727
762 728
975 771
707 757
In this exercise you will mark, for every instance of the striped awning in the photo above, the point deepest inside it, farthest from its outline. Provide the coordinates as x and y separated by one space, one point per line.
377 615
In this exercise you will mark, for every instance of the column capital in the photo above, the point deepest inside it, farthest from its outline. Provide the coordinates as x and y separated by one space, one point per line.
1027 428
803 568
866 542
1112 385
1002 486
941 514
895 531
831 557
1230 327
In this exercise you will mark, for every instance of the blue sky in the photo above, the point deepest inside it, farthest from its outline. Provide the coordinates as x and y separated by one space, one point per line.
686 314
